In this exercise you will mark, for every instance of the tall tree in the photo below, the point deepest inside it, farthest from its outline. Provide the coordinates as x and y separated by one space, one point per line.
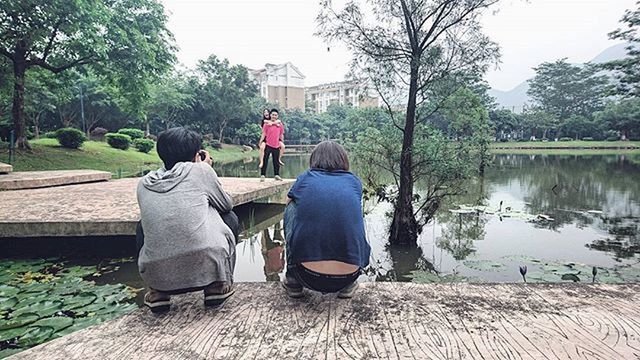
628 69
407 49
623 117
169 97
563 89
125 37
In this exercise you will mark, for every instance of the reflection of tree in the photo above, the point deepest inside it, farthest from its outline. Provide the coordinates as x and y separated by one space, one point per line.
624 241
404 260
458 236
273 252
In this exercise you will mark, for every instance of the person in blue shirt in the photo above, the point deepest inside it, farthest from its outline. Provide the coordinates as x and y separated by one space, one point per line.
326 246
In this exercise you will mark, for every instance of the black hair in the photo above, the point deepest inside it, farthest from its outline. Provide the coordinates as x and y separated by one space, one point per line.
330 156
178 144
274 110
268 117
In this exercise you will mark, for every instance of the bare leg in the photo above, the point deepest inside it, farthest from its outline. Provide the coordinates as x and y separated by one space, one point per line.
281 153
261 152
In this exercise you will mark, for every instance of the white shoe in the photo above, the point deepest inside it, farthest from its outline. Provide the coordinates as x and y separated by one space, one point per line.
278 178
261 178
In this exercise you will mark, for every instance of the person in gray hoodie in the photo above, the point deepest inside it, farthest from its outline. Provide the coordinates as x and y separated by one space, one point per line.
187 232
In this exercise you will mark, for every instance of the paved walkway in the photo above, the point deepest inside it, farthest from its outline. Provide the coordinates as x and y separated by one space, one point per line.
383 321
104 208
39 179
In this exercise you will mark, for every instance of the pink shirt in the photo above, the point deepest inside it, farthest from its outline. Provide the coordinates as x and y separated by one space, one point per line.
272 134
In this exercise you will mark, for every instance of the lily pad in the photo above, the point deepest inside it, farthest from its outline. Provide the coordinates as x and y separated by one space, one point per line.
12 333
18 321
56 322
7 291
36 335
484 265
570 277
8 352
537 276
8 303
42 308
78 271
522 258
74 302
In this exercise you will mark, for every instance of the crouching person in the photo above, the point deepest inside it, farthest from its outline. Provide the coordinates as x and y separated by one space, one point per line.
187 233
325 239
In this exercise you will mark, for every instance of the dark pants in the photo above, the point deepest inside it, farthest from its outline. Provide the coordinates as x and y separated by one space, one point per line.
230 219
275 153
298 274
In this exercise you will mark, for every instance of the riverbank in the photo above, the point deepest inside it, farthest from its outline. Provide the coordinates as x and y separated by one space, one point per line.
48 155
608 145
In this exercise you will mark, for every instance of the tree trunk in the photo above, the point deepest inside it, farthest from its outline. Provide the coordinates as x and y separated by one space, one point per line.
146 123
223 125
36 124
404 228
19 70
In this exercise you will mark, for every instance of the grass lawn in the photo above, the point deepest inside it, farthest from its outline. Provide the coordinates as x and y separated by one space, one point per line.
567 144
568 152
95 155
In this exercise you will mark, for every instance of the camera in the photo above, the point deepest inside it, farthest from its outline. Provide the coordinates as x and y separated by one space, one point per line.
203 155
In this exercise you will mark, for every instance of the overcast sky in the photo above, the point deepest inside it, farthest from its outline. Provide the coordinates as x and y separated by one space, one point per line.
255 32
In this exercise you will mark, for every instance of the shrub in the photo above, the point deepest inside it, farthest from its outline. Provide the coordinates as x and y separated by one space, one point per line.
612 138
215 144
70 138
504 140
51 135
143 145
118 141
151 137
587 138
566 139
133 133
99 133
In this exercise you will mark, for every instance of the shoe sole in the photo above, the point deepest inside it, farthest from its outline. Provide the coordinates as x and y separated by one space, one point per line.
217 299
158 306
349 294
295 294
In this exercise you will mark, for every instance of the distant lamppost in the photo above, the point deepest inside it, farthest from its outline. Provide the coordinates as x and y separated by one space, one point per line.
84 127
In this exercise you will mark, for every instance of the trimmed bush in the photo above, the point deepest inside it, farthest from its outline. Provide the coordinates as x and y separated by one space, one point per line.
151 137
133 133
99 133
587 138
70 138
118 141
143 145
50 135
613 138
215 144
566 139
504 140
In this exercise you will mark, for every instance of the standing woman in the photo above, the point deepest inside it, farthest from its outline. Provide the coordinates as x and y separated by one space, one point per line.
326 247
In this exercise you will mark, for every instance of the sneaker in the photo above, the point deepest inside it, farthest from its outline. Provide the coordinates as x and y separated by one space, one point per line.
157 301
261 178
278 178
348 291
217 293
294 290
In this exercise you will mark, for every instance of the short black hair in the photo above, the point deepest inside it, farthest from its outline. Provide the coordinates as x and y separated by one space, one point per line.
178 144
330 156
274 110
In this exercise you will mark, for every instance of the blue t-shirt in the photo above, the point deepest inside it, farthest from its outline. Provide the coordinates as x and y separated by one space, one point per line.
327 223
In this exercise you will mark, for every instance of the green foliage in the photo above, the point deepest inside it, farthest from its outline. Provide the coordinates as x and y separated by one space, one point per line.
133 133
144 145
51 135
624 117
627 70
588 138
70 138
566 139
118 141
249 133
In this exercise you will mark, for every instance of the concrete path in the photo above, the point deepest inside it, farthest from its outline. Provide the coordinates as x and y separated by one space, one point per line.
106 208
39 179
383 321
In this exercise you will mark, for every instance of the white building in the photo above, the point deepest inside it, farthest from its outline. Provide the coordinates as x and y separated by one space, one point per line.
281 84
340 93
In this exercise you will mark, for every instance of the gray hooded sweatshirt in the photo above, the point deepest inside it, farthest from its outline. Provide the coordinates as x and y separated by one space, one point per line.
186 243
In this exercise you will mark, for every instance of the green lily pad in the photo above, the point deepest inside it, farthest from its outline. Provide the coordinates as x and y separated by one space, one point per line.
8 291
18 321
571 277
56 322
8 352
629 273
78 271
74 302
12 333
8 303
522 258
537 276
42 308
484 265
36 335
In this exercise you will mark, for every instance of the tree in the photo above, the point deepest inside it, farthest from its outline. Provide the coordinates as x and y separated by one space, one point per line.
416 51
538 122
578 126
563 89
504 121
169 97
127 38
39 97
225 93
624 117
628 69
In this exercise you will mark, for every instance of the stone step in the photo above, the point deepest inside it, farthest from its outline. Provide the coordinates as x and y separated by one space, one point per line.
40 179
5 168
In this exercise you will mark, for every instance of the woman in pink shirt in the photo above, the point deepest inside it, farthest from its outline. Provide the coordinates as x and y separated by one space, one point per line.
273 135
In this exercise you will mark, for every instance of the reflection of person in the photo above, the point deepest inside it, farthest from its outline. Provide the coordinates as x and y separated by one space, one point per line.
273 136
273 253
187 231
324 227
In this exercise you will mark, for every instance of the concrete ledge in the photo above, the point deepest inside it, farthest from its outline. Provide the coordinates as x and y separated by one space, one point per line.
98 209
40 179
382 321
5 168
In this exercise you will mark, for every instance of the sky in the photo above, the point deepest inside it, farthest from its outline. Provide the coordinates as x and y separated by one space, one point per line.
256 32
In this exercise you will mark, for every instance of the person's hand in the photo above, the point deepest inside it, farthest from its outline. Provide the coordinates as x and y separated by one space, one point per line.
207 157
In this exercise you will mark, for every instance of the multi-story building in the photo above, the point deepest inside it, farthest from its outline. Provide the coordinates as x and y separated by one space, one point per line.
340 93
281 84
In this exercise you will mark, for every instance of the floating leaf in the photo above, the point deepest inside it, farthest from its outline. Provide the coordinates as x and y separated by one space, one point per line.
522 258
8 303
12 333
79 271
36 335
78 301
542 277
8 352
18 321
42 308
484 265
56 322
571 277
8 291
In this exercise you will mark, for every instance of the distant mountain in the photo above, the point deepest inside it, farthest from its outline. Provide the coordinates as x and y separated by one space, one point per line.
515 98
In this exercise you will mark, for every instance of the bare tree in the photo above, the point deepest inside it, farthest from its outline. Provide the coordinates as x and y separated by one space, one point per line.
415 53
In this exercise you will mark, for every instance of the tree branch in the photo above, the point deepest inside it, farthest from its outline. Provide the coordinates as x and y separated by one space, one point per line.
58 69
47 49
